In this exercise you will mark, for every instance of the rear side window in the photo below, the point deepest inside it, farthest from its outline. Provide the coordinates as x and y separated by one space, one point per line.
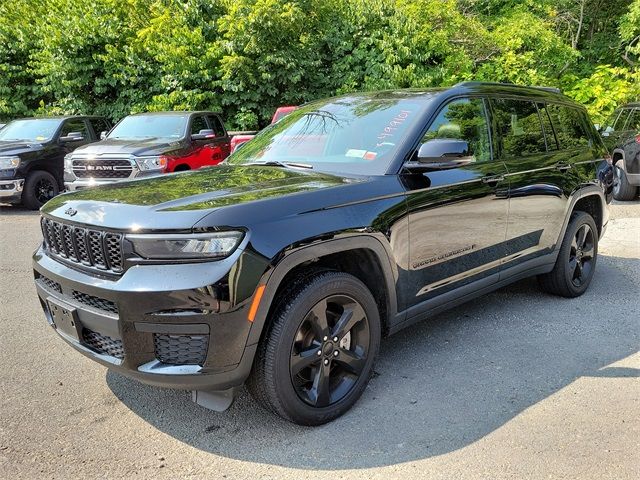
569 126
634 120
198 123
99 125
216 125
76 125
518 127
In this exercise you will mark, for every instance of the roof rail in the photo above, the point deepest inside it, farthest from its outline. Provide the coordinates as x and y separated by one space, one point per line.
548 89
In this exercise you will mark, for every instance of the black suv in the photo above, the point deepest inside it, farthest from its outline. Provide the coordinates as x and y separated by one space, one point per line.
348 220
621 135
32 152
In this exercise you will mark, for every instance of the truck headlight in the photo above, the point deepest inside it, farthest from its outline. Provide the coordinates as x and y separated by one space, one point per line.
9 162
68 163
146 164
213 245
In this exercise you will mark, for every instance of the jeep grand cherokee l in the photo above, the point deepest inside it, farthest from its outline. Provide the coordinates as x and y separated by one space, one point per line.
149 144
346 221
32 152
621 135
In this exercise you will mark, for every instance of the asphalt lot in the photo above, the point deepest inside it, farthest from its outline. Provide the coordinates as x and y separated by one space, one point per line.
517 384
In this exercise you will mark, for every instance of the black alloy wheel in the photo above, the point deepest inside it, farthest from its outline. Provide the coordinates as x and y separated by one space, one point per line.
45 190
581 255
39 187
330 350
316 357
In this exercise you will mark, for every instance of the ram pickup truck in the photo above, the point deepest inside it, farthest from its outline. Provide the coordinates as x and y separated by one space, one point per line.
32 152
149 144
346 221
621 134
241 137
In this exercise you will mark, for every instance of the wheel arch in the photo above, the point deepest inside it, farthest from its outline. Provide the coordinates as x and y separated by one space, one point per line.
617 155
588 199
361 255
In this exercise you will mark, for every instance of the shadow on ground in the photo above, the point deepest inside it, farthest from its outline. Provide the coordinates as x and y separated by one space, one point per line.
440 385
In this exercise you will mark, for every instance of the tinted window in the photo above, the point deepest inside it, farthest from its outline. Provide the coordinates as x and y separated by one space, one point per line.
99 125
633 123
216 124
198 123
519 128
466 120
569 126
547 127
34 130
75 125
151 126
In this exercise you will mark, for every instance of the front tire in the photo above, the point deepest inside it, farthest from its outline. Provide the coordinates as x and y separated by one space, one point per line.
39 188
316 359
576 260
622 189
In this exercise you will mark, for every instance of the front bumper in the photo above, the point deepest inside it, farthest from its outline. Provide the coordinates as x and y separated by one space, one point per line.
11 190
164 325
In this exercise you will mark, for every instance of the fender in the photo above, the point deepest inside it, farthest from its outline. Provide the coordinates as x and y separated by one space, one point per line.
583 192
272 279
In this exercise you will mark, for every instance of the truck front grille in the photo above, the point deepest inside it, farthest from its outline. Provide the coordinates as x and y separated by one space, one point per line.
92 248
181 349
102 168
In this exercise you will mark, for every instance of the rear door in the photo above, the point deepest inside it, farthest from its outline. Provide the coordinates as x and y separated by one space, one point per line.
525 142
456 218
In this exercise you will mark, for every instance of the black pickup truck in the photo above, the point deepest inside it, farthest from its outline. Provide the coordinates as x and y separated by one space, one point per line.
344 222
32 152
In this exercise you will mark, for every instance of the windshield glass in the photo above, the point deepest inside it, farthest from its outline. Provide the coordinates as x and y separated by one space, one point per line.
150 126
31 130
352 134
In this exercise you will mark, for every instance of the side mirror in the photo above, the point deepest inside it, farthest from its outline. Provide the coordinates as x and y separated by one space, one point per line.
442 154
203 135
72 137
103 134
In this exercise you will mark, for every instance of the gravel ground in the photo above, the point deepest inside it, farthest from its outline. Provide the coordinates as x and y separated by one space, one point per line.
517 384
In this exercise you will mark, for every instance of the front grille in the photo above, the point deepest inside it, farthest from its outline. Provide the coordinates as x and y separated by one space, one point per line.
102 344
95 302
181 349
102 168
50 284
93 248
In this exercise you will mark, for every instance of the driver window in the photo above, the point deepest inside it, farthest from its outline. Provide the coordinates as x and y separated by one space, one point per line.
464 119
75 125
199 123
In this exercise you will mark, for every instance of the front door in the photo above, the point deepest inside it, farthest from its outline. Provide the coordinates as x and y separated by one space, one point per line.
456 218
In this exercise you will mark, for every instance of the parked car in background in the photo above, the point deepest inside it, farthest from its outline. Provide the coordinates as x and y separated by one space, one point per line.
240 138
32 152
621 134
355 218
149 144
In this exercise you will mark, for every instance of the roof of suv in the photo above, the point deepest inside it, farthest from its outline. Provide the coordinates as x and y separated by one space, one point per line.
172 112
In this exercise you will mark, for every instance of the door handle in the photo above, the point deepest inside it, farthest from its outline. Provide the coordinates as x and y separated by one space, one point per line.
491 179
563 167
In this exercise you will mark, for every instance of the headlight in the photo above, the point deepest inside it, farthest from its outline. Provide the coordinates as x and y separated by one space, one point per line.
188 246
151 163
9 162
68 163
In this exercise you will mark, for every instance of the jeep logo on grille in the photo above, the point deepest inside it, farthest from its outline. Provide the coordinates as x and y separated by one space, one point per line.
99 167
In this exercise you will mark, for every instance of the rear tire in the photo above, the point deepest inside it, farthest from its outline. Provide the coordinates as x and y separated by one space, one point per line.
622 189
39 188
332 313
576 260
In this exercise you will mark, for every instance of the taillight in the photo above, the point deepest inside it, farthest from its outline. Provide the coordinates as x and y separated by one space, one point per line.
163 161
637 138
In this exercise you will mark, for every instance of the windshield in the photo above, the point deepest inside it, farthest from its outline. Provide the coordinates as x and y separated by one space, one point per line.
150 126
353 134
31 130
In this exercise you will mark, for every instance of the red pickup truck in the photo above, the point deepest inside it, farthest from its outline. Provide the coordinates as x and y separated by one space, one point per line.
242 137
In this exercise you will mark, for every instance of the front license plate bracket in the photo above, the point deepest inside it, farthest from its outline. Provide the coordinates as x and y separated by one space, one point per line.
65 318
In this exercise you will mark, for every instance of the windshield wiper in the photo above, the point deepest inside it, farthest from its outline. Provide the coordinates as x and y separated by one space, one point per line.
277 163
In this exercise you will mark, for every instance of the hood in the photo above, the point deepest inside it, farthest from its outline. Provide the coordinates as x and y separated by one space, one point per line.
146 146
16 148
178 201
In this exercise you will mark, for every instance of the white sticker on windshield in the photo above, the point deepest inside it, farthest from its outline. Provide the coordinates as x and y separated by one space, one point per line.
355 153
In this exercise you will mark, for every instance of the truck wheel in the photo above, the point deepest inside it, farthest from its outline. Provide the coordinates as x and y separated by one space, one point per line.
576 260
622 189
39 188
316 359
